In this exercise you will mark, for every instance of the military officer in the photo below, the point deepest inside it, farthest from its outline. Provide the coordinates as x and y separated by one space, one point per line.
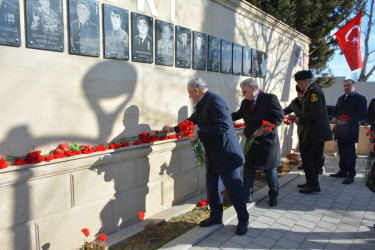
316 130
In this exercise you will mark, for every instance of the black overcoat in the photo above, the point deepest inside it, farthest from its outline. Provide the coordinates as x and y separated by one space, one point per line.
217 134
267 149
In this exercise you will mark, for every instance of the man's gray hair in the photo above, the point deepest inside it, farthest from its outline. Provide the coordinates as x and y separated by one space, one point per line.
198 83
249 83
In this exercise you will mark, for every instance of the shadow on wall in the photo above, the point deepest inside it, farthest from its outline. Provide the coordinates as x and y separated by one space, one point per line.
105 81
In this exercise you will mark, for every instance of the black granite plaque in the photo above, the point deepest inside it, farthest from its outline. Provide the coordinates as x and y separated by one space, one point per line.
213 60
10 31
44 25
142 38
262 64
84 27
226 57
116 32
200 51
254 70
237 59
183 47
164 43
246 61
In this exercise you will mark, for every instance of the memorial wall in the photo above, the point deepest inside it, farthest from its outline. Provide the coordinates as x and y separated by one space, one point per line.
91 72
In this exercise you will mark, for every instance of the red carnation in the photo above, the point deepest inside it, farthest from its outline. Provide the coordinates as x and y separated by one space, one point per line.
125 144
202 203
85 231
21 161
100 148
3 163
141 215
102 237
114 146
35 157
50 158
293 149
137 143
63 146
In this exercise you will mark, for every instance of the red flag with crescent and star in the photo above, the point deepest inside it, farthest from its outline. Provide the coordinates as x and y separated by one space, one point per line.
349 38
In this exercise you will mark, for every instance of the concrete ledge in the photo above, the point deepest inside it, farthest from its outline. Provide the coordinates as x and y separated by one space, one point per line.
197 234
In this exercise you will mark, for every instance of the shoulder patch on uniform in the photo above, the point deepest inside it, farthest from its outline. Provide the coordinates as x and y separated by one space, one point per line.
314 97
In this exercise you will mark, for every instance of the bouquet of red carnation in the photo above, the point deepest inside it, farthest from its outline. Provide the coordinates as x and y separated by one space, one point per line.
367 178
186 128
266 126
344 118
288 120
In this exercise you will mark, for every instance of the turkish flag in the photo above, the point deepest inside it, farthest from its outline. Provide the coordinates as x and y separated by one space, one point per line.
349 38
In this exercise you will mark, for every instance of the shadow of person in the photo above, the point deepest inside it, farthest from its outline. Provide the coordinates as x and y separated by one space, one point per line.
20 202
131 124
109 97
130 178
179 165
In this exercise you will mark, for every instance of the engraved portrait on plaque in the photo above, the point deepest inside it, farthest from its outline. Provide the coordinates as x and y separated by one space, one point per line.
44 25
200 51
84 27
254 70
142 38
183 47
10 31
237 59
246 61
213 61
226 56
116 32
262 57
164 43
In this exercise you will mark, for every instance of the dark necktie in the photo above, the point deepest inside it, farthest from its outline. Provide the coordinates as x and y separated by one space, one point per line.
252 105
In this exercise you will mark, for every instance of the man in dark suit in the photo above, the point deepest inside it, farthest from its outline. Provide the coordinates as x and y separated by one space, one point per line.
351 108
265 154
223 152
316 130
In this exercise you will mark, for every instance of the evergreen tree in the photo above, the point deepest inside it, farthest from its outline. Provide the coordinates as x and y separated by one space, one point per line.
315 19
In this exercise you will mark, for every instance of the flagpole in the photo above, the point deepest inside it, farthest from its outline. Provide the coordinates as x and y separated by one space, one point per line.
318 46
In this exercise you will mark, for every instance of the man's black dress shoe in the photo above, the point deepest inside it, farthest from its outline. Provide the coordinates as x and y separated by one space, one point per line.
310 190
210 221
348 180
272 203
339 175
249 201
302 185
242 227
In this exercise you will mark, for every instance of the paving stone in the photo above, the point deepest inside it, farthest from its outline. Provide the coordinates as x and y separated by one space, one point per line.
295 236
220 236
209 242
280 227
272 214
286 221
264 241
266 220
231 245
309 217
347 227
305 223
286 244
243 240
273 234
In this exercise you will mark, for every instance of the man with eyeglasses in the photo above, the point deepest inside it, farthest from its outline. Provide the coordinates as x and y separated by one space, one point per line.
264 155
350 110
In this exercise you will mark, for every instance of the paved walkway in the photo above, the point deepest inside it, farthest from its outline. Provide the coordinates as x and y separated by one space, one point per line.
340 217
